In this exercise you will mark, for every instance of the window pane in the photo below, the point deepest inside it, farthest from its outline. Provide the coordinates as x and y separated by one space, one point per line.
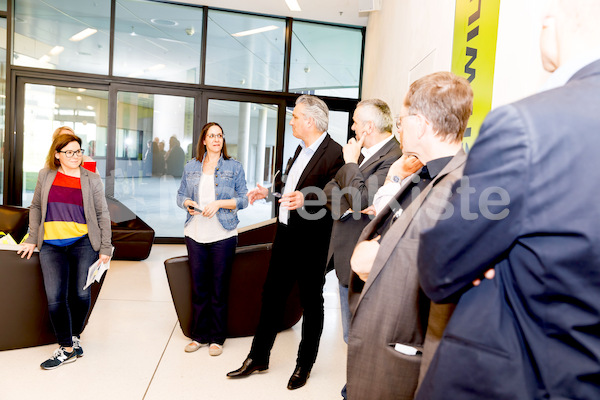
157 41
3 7
338 130
67 35
49 107
251 133
325 60
154 141
2 99
237 56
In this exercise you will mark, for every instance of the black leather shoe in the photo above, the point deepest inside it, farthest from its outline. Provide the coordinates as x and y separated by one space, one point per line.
299 378
247 368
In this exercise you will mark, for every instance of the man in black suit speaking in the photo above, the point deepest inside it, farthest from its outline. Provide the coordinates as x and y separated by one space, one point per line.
301 242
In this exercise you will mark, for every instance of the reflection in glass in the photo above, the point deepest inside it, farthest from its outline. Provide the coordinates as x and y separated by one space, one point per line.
2 99
251 133
157 41
245 51
154 141
49 107
67 35
327 67
3 7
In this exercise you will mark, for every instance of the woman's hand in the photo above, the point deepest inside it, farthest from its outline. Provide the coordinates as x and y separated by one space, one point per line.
191 203
104 258
26 249
211 209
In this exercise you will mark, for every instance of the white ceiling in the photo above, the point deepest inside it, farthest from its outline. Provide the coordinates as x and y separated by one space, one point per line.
336 11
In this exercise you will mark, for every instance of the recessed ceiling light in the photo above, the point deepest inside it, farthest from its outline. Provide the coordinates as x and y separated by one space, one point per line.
156 67
83 34
255 31
56 50
293 5
164 22
45 58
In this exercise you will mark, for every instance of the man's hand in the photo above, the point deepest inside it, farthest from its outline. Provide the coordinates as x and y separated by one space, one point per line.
26 249
292 200
364 256
489 274
256 194
104 258
352 149
405 166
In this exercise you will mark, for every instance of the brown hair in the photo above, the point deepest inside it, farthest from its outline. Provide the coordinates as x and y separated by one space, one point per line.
59 143
201 148
445 99
58 131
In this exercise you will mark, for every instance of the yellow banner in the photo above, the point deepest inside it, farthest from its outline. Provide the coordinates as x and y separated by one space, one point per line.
474 56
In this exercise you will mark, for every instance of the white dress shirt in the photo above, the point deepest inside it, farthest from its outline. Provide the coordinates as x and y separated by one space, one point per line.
296 172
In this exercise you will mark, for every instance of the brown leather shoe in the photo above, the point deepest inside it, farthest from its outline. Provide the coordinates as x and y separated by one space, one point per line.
248 367
299 378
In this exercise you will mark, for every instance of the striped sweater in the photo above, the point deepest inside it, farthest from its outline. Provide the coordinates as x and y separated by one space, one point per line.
65 219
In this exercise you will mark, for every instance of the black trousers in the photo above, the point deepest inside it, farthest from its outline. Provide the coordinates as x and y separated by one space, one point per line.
291 262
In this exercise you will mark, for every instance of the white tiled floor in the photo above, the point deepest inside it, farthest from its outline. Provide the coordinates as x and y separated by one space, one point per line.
134 350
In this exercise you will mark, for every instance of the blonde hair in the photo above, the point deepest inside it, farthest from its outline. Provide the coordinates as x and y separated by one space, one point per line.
59 130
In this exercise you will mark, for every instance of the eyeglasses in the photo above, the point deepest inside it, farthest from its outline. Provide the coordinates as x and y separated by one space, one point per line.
71 153
399 120
215 135
275 194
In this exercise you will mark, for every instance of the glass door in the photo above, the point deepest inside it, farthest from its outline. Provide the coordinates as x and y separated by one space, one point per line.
48 107
154 140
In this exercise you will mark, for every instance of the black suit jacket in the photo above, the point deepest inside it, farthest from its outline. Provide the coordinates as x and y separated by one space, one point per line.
363 182
312 234
532 332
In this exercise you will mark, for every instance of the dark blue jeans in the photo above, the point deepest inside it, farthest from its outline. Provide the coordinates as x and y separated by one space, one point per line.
210 267
65 272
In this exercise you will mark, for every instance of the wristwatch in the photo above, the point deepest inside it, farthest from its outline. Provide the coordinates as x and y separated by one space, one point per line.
395 179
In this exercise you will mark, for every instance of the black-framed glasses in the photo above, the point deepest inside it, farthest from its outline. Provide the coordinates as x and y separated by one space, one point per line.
71 153
400 118
275 194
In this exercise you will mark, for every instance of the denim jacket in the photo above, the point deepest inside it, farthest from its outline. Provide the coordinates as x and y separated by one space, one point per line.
230 183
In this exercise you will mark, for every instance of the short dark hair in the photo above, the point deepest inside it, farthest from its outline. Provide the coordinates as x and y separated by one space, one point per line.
201 148
445 99
58 144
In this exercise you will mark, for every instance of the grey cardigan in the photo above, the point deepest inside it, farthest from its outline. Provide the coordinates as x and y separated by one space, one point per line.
94 208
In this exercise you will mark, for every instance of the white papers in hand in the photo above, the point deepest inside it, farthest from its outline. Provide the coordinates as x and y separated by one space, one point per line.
96 271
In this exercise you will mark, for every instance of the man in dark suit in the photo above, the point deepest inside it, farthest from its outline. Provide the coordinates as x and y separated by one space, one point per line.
390 313
533 330
367 158
355 184
301 242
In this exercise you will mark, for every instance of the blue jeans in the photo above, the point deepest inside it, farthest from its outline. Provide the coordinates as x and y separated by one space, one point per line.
210 267
64 269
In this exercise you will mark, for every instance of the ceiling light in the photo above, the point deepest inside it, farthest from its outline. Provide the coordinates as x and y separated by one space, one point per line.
293 5
133 31
45 58
56 50
83 34
78 97
89 107
156 67
255 31
81 90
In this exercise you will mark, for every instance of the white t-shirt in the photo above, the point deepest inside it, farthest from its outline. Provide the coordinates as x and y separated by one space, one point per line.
202 229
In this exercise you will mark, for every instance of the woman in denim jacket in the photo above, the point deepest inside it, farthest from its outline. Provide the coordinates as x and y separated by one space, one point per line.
213 188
